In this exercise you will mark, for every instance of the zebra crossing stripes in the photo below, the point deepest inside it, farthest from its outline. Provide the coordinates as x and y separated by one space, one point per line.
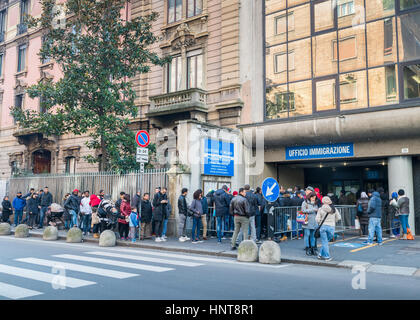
80 268
123 264
148 259
42 276
14 292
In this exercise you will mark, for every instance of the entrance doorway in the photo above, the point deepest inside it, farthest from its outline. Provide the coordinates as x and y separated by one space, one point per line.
41 160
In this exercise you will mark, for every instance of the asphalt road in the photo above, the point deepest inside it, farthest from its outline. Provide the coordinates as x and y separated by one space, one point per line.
35 269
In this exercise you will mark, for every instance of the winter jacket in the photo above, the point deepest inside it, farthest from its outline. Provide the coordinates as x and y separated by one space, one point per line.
205 205
182 205
363 216
135 203
260 203
311 210
94 200
134 220
253 202
297 202
85 206
332 218
285 201
197 208
221 200
239 206
45 199
7 207
210 198
159 208
375 206
32 206
19 203
146 211
403 205
72 203
125 210
118 205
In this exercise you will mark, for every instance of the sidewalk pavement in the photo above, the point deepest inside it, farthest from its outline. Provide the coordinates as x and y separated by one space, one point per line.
394 256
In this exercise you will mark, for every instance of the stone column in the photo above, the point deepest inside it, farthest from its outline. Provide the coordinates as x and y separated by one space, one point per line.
400 176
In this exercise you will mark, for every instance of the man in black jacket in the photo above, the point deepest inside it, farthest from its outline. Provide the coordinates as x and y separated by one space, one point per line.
135 203
221 201
72 204
146 217
45 202
160 202
241 210
183 215
254 204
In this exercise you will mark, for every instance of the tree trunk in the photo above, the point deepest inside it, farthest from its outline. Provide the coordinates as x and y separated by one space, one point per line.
104 158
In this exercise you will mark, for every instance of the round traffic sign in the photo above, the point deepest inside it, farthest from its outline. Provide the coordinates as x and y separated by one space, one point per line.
270 189
143 138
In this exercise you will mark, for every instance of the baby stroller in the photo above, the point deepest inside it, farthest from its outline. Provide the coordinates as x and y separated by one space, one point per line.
108 217
55 215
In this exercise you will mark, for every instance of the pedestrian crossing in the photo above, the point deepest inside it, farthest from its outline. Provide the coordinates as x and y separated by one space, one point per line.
126 265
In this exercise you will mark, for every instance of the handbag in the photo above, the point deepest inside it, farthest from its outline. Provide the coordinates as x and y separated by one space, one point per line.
95 218
356 224
302 217
317 232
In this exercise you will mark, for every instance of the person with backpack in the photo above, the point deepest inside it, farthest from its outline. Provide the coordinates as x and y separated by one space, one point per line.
375 216
326 218
133 224
72 204
362 214
222 201
6 209
183 215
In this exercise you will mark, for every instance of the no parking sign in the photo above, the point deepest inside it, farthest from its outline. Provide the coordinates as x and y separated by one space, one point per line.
143 138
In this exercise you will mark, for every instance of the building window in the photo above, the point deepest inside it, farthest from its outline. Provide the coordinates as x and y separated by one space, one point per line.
24 10
348 49
345 8
70 164
390 83
15 167
42 106
174 10
409 4
195 69
280 62
194 8
21 58
280 23
47 58
348 90
174 74
324 16
18 103
411 76
1 64
2 25
388 36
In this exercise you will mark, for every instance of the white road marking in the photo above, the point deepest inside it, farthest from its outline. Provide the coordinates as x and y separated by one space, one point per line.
13 292
43 276
114 263
80 268
148 259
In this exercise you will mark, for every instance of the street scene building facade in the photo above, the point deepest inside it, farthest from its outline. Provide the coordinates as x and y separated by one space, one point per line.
342 95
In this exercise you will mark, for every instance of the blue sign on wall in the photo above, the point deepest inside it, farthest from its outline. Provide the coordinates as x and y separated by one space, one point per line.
321 151
218 158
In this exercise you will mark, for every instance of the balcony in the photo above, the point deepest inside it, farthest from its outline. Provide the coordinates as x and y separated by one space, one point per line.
190 101
22 28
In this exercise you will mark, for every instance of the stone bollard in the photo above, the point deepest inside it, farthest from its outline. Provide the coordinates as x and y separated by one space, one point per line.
269 253
74 235
50 234
107 239
22 231
5 229
248 251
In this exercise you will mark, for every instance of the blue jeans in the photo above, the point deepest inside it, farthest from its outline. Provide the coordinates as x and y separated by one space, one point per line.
375 226
404 222
73 215
165 227
196 228
327 232
219 228
309 237
18 217
42 215
86 220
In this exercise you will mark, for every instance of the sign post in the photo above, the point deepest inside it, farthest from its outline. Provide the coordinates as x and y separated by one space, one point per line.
142 156
271 192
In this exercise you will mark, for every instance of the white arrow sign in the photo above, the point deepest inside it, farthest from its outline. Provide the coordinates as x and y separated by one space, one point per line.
270 190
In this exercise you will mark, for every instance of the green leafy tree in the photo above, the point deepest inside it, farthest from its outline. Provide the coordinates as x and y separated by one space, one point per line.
98 53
